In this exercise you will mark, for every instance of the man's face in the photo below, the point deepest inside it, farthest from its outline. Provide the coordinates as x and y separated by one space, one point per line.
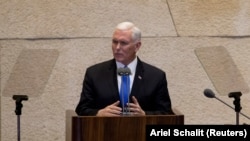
123 47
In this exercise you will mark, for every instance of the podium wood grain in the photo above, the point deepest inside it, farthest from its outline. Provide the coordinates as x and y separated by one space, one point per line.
125 128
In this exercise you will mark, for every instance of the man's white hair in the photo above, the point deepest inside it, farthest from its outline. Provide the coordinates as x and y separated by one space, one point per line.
136 32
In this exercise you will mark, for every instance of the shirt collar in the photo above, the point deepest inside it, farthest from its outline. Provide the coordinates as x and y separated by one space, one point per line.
132 65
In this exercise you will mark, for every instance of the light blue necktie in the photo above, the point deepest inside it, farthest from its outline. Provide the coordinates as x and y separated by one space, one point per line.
124 91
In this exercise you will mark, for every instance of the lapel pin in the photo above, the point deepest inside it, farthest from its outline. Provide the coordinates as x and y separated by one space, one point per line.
139 77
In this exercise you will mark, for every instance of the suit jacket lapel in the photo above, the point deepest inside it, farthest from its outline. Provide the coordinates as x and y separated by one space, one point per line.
138 85
113 82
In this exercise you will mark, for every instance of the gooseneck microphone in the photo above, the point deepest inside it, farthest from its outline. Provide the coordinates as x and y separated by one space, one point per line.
124 89
210 94
123 71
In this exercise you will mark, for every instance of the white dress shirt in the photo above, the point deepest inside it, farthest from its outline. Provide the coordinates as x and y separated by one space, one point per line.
132 67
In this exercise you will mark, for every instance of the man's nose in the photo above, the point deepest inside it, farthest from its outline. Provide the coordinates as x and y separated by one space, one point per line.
118 45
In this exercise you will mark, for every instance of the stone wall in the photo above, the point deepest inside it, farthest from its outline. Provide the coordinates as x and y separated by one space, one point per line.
80 31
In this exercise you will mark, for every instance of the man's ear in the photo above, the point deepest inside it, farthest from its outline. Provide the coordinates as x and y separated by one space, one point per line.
138 45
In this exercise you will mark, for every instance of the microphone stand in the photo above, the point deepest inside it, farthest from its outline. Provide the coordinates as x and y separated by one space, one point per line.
18 111
236 96
209 93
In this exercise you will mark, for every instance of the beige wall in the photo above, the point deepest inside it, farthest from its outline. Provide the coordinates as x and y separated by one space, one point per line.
80 31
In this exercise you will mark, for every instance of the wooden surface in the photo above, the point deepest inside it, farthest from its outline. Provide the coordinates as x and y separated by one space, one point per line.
125 128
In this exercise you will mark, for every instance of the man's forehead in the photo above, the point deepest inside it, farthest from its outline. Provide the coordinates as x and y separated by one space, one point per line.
122 35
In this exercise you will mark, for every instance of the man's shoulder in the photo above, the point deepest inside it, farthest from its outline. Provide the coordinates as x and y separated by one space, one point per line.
100 65
151 67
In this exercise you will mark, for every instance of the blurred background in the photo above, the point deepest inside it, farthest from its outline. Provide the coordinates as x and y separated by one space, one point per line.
47 45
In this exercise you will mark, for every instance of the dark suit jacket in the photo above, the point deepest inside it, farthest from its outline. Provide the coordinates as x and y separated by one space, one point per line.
100 89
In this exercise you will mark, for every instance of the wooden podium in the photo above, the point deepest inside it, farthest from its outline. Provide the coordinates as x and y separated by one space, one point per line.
125 128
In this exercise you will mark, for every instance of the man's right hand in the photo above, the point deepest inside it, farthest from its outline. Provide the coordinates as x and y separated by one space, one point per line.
110 110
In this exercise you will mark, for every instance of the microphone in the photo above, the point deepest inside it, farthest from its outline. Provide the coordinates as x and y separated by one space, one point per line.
124 89
210 94
123 71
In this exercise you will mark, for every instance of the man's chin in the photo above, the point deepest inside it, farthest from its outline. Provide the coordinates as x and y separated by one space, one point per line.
119 59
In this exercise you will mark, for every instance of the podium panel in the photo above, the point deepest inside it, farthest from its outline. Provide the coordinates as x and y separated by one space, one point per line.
124 128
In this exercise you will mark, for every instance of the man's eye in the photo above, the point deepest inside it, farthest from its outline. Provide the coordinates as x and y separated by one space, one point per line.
115 42
123 43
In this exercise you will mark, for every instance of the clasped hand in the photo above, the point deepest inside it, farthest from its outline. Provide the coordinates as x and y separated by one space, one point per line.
115 110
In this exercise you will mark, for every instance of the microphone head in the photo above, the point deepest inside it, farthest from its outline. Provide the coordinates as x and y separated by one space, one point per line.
123 71
209 93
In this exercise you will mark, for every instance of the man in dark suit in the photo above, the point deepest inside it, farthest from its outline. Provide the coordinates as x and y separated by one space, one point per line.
100 92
